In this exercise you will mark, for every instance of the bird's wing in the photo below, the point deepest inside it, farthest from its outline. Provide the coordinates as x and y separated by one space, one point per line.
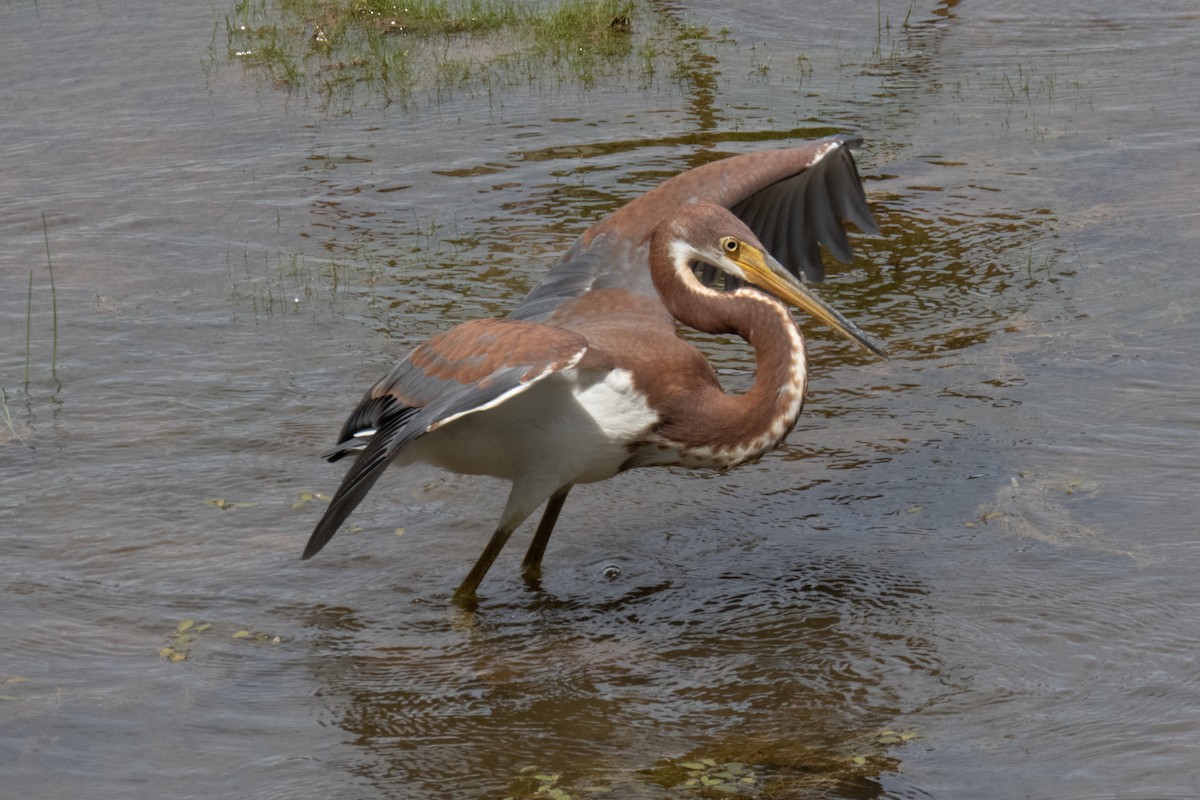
469 368
793 200
793 214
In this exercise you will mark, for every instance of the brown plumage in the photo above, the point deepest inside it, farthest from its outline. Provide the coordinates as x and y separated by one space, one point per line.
588 377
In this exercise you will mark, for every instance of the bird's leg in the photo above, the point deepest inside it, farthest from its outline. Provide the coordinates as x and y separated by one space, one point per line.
523 500
531 566
464 595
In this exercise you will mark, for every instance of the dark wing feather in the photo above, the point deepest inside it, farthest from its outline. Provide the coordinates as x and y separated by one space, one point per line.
794 215
390 437
470 367
848 195
792 199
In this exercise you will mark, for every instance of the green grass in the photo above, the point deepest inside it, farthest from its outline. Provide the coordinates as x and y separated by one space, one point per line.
28 327
408 52
53 303
29 315
426 18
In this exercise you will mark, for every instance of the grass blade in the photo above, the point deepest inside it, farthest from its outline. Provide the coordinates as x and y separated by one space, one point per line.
28 326
53 306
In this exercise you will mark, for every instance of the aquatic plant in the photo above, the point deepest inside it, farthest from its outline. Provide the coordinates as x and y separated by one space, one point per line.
405 51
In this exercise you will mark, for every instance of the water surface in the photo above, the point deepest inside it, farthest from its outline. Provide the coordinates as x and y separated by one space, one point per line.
968 573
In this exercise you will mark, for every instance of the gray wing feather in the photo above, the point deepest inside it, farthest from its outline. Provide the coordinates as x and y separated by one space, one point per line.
468 368
396 426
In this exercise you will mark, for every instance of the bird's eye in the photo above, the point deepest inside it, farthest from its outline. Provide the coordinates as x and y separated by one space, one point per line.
730 244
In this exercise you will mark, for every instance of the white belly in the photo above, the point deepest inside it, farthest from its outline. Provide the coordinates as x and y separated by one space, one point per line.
572 427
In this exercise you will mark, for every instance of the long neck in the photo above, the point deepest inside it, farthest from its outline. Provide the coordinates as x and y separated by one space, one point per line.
736 427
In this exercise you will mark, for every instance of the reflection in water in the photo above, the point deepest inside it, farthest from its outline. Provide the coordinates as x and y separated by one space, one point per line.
952 279
769 671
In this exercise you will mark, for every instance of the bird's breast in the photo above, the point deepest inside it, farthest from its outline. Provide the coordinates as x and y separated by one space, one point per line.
575 426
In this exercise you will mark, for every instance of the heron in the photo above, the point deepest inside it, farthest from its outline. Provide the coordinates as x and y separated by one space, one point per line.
588 376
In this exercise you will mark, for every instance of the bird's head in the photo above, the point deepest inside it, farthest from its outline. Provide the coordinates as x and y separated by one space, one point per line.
713 235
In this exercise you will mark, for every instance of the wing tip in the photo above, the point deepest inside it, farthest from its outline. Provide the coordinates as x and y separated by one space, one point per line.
314 546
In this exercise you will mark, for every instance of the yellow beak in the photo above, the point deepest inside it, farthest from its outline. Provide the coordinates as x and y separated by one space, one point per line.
769 275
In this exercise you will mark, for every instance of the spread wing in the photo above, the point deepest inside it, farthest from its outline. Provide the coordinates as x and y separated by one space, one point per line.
469 368
794 200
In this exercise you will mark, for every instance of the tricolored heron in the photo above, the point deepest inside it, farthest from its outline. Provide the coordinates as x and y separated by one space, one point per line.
588 377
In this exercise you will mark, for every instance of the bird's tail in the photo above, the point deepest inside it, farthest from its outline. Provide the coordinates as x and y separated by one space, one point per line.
382 445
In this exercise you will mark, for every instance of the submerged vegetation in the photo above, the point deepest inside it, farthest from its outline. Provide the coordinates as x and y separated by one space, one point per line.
412 49
753 767
6 416
188 632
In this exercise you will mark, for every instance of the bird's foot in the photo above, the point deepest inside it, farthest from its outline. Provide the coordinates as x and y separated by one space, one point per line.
465 598
532 573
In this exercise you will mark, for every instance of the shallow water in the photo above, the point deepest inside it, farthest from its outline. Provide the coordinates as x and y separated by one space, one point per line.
986 544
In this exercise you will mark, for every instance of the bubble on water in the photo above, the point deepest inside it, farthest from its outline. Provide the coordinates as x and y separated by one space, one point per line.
611 571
